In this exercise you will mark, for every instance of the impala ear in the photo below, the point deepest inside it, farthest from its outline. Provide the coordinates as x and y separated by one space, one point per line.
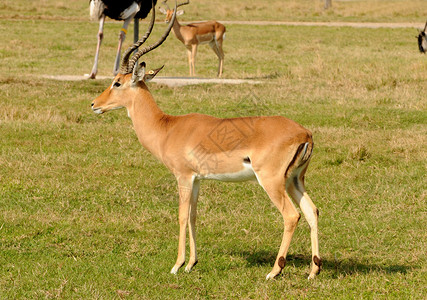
162 10
150 74
138 72
180 12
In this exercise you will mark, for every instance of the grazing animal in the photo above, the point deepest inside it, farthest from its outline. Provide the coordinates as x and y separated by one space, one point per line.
274 151
422 40
118 10
194 34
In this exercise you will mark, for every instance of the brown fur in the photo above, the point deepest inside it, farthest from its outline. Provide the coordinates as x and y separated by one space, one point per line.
282 262
317 261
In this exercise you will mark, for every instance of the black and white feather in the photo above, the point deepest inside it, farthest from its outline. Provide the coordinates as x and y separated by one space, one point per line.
121 10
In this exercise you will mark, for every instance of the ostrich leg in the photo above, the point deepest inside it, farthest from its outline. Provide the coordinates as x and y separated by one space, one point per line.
92 74
122 36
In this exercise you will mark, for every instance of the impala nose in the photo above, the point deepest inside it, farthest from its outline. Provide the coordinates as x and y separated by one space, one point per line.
96 110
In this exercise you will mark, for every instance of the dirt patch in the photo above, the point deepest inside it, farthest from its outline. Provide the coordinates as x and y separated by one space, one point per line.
169 81
329 24
181 81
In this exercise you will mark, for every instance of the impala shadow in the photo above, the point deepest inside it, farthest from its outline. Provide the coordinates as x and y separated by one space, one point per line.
337 266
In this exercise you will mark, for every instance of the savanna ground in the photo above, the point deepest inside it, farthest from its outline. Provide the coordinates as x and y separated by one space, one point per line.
86 213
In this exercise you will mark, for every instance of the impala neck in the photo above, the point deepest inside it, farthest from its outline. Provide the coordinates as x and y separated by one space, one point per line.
148 121
177 30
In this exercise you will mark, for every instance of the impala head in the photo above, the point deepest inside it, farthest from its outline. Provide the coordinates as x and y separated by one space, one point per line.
422 40
124 89
132 75
169 12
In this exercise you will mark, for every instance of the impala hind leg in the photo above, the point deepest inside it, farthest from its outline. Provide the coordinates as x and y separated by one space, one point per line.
276 191
217 48
296 190
192 226
221 57
188 193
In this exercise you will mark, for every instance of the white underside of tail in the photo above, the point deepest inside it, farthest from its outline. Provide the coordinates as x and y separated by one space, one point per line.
304 154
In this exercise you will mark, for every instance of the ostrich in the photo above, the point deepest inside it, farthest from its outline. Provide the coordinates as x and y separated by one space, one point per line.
125 10
422 40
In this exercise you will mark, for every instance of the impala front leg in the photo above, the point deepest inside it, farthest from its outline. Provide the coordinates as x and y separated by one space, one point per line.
186 198
193 58
189 60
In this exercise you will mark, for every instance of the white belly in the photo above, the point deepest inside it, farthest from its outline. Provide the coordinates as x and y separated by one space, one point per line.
247 173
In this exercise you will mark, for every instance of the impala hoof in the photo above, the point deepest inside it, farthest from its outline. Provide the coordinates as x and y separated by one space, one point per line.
174 270
190 266
176 267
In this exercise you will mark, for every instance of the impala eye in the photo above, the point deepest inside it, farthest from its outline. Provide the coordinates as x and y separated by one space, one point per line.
117 84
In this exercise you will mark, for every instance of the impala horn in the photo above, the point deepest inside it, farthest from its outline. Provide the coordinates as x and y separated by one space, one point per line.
184 3
165 4
124 68
181 4
128 63
141 52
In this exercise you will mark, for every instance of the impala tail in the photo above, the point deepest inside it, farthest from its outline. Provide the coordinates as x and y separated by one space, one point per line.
301 157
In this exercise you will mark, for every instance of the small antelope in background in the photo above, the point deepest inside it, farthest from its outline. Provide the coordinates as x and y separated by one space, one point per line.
194 34
274 151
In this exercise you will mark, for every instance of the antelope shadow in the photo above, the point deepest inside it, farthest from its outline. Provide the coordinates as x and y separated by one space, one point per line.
347 266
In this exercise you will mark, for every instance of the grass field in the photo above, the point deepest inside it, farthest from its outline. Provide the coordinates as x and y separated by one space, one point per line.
87 213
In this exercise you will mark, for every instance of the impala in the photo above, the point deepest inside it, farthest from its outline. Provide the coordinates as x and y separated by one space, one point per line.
274 151
195 34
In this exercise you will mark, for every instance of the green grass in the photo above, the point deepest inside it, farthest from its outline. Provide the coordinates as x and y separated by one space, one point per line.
87 213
